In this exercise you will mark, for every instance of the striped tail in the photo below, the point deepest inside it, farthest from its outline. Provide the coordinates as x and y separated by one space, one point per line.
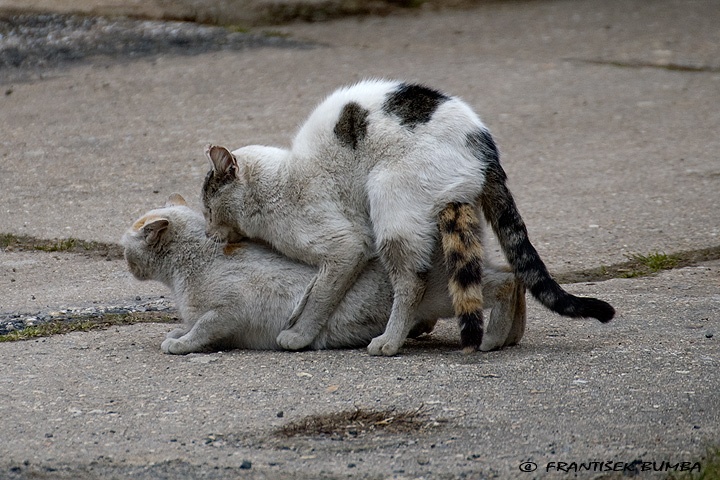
501 212
461 240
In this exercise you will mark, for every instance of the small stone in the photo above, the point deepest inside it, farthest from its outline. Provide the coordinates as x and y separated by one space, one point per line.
203 360
137 299
709 334
351 465
280 414
245 465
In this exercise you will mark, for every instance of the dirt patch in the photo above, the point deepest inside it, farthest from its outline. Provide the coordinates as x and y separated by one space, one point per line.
354 423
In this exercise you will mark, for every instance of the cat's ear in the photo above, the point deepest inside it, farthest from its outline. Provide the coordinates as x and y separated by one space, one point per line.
222 160
154 229
175 200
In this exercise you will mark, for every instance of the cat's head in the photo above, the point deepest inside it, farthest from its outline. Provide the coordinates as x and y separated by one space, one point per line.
218 192
149 240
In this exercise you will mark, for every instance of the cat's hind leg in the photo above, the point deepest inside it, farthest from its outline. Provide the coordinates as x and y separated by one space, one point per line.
518 313
505 295
405 235
408 292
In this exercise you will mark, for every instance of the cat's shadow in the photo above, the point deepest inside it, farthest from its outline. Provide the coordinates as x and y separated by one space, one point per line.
447 345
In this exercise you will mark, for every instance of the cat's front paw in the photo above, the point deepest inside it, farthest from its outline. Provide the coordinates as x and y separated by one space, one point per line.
177 333
174 346
289 340
384 345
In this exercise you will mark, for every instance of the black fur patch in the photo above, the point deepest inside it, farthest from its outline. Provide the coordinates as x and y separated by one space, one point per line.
413 104
471 329
483 146
352 125
448 224
454 260
469 274
423 275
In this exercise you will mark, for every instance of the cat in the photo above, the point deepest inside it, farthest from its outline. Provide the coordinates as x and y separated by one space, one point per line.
367 175
239 295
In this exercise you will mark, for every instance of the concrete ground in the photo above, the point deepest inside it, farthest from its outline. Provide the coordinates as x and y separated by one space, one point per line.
606 115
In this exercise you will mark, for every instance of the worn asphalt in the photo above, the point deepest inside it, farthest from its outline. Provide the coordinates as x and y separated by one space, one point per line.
607 117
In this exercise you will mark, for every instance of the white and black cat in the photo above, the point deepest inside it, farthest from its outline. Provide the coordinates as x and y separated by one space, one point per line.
240 295
368 174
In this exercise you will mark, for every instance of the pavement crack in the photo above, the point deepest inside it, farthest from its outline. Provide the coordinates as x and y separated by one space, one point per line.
636 267
671 66
12 242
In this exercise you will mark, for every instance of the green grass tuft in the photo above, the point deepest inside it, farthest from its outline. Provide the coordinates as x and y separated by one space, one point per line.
58 246
640 265
709 467
655 261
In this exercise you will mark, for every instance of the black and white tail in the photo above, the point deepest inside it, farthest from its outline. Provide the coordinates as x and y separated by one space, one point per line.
461 238
499 208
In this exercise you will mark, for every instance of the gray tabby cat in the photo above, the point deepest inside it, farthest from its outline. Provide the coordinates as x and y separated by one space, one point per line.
240 296
368 174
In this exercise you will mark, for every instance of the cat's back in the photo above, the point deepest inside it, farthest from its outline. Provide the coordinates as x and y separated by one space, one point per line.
378 118
252 266
327 124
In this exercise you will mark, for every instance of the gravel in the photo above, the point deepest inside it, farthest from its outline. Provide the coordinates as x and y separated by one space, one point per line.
45 40
15 321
